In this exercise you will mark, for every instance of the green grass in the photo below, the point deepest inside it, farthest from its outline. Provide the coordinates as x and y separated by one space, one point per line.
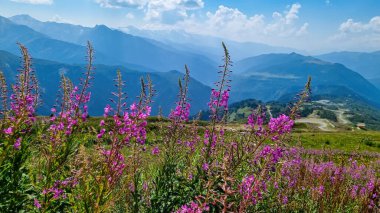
302 135
346 141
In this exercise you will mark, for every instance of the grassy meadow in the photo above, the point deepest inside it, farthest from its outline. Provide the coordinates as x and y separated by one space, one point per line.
130 161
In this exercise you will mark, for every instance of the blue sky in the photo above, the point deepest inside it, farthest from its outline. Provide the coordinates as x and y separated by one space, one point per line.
312 25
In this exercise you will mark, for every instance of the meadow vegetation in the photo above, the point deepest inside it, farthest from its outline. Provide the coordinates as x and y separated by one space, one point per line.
128 161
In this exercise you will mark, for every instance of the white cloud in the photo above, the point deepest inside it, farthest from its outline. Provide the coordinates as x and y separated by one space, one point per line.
34 1
358 35
303 30
168 11
284 24
350 26
282 28
224 22
233 19
375 24
120 3
233 24
171 11
292 14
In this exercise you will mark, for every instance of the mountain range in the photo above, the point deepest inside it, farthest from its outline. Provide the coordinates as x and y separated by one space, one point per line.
277 75
365 63
207 45
49 72
125 48
272 76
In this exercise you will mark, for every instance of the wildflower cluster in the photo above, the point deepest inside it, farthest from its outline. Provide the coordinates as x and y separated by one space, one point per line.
281 125
16 124
121 163
182 110
218 104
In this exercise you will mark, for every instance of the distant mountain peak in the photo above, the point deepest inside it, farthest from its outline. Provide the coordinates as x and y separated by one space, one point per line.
101 26
26 20
4 20
23 17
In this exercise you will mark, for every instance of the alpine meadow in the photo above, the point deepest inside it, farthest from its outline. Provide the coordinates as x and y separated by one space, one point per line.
189 106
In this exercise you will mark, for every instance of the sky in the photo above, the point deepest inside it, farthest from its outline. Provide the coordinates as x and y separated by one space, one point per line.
315 26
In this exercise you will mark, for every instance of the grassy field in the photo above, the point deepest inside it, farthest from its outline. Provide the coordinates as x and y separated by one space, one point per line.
346 141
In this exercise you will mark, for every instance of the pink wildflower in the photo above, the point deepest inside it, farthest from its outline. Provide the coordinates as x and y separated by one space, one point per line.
156 151
37 204
17 144
8 131
205 166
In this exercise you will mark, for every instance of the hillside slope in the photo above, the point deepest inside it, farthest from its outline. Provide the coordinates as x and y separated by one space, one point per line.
271 76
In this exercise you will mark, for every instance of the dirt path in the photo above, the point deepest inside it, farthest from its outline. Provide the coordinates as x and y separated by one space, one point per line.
269 112
341 117
323 124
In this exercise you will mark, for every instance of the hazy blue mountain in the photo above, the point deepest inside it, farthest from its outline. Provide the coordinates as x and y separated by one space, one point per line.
61 31
207 45
271 76
375 82
48 74
126 48
367 64
40 45
264 77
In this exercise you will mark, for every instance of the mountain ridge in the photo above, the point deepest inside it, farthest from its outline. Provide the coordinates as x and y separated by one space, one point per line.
126 48
261 73
365 63
48 74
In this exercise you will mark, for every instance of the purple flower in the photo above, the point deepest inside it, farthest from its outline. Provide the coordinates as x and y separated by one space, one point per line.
156 151
256 120
37 204
100 135
354 191
224 101
145 186
107 110
181 112
133 107
205 166
285 200
193 208
8 131
279 126
116 165
17 144
321 189
223 97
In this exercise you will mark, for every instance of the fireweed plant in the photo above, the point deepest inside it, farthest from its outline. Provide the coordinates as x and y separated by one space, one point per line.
120 129
55 180
121 163
16 125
